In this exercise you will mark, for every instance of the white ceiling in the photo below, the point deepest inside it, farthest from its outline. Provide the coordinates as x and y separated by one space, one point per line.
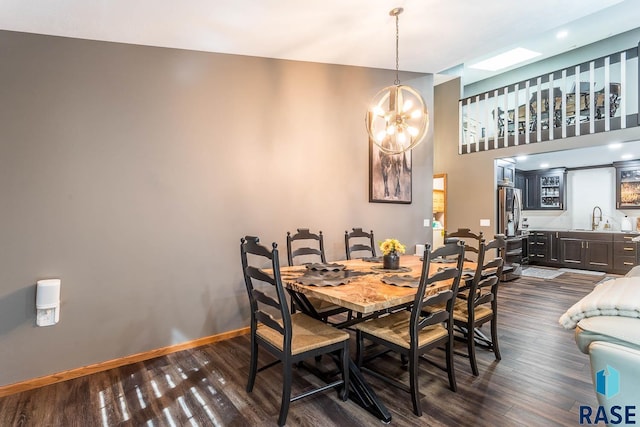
435 35
579 157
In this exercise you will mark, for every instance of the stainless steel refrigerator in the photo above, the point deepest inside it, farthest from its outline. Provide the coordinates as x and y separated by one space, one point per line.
509 209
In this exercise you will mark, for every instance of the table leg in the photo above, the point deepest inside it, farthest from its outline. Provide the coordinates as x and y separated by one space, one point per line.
363 395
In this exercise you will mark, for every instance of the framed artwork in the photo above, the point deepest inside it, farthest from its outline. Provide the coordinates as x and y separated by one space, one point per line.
389 176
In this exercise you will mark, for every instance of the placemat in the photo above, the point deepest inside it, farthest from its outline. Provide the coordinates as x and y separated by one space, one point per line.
405 280
386 270
319 266
328 278
373 259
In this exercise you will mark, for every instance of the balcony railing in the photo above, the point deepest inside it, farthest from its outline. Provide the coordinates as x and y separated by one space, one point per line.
592 97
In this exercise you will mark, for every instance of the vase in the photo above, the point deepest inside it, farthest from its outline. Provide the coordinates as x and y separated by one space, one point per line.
391 261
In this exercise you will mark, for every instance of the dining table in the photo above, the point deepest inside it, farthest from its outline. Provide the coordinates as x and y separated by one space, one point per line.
366 288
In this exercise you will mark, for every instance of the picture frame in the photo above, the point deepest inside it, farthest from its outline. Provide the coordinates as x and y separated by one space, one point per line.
390 178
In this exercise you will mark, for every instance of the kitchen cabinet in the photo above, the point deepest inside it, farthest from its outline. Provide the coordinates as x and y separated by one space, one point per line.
611 252
627 185
537 242
589 251
505 173
625 252
543 190
553 248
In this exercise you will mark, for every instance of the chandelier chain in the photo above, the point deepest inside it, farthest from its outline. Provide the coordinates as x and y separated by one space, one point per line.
397 81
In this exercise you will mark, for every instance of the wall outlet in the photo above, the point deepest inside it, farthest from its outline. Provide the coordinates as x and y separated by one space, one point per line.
485 223
46 316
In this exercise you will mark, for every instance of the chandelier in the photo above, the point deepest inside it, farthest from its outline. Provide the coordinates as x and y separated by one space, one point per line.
398 119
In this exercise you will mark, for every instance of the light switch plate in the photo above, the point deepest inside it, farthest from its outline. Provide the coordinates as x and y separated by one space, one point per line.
485 223
427 223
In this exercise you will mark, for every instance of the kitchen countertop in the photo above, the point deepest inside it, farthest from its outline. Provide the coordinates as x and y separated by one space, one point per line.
580 230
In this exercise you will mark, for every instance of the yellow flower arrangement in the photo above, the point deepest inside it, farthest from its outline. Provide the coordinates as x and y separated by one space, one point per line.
392 245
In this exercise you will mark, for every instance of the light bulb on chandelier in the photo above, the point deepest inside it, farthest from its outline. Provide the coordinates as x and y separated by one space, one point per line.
398 119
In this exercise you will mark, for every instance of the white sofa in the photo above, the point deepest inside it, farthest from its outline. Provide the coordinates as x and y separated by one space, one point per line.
613 342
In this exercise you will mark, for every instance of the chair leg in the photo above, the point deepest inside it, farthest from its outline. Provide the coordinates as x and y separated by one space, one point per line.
359 348
345 371
413 383
286 392
253 364
494 337
450 364
471 350
404 360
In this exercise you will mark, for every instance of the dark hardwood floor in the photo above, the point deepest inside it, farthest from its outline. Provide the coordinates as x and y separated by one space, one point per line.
541 381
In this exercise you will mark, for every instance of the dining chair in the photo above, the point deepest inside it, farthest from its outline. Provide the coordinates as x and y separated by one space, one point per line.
481 303
291 338
471 241
412 333
309 245
357 235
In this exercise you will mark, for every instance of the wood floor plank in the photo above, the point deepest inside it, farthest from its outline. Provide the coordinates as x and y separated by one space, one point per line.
542 380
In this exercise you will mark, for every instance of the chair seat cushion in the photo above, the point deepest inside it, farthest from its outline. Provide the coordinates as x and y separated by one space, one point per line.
395 329
461 313
308 334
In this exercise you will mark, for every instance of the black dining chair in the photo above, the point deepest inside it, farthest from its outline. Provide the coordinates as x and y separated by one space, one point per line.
415 332
306 245
481 303
471 241
290 338
359 241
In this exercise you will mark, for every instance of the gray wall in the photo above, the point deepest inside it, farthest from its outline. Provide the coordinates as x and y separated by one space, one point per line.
131 173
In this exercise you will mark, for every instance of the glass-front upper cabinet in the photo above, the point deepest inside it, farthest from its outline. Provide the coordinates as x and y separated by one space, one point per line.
628 185
552 194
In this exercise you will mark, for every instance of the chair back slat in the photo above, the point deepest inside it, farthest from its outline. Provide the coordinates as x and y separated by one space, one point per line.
359 246
259 274
314 245
265 299
433 319
306 251
268 320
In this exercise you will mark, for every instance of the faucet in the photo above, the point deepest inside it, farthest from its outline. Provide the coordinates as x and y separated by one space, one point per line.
595 224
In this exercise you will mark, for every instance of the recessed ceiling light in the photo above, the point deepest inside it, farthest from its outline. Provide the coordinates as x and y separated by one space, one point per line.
626 156
562 34
506 59
544 165
615 145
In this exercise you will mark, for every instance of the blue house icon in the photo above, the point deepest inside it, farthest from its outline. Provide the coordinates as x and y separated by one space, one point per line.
608 382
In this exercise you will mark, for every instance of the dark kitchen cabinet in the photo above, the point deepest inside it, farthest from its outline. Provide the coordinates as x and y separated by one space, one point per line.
553 248
608 252
505 173
625 252
627 185
537 242
543 190
589 251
